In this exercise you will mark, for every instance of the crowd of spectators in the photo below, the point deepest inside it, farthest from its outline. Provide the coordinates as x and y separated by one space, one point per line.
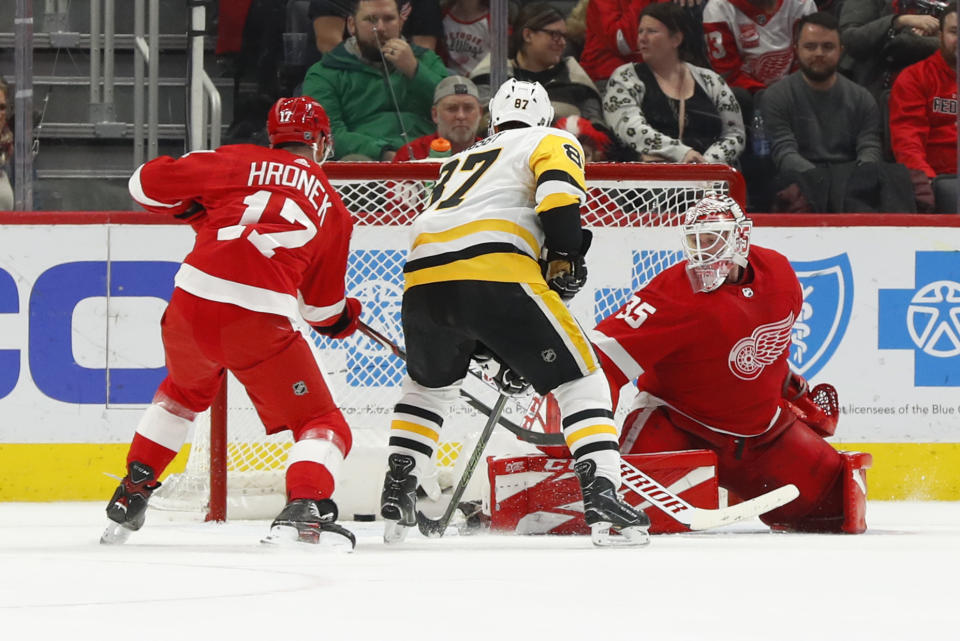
824 105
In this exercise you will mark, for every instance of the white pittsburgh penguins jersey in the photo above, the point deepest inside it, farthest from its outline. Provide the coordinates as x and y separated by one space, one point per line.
483 219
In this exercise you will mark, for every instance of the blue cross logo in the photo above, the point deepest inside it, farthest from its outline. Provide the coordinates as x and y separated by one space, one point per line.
926 319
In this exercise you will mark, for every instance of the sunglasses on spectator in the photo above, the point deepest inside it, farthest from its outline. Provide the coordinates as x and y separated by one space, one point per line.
553 33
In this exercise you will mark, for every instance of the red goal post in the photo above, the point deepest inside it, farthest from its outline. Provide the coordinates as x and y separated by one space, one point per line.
633 209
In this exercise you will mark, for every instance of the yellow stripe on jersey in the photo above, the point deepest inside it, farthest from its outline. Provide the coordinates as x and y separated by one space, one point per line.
585 432
407 426
500 268
557 200
475 227
564 156
570 326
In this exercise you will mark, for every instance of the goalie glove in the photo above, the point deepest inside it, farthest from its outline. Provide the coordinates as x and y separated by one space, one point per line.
508 381
565 272
346 324
819 408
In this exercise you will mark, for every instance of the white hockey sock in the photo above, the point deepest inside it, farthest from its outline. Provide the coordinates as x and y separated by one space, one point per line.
164 428
588 425
417 422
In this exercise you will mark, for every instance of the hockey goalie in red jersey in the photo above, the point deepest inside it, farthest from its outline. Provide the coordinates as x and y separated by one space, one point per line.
272 244
708 342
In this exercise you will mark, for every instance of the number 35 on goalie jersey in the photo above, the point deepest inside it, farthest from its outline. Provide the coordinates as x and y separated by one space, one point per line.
482 222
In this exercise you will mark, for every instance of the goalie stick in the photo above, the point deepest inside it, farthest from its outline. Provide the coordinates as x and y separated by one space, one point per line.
697 518
528 436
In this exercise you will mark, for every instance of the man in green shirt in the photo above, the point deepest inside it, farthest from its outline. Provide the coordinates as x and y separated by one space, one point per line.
376 87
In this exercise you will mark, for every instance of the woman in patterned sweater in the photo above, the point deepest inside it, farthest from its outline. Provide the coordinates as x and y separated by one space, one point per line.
666 108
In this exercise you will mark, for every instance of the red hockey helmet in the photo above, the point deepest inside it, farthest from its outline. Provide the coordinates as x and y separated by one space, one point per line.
300 120
716 236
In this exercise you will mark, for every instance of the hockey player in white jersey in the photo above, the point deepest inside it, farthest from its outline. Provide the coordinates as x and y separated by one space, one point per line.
492 260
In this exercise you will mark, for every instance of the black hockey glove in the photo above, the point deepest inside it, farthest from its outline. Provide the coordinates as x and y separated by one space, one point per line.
565 272
508 381
193 212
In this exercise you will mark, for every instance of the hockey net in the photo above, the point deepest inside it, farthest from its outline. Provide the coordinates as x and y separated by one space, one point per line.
633 210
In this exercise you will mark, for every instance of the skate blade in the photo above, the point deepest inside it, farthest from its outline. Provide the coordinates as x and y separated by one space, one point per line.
290 537
115 534
636 536
393 532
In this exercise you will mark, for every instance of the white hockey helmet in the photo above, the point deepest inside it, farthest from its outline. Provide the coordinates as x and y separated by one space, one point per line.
521 101
716 236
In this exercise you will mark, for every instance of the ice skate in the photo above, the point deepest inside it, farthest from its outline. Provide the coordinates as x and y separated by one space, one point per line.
398 502
312 522
127 509
603 510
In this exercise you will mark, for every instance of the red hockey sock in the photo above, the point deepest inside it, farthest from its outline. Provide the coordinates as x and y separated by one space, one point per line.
309 480
150 453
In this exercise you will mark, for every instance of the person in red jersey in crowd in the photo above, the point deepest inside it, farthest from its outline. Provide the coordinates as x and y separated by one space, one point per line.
271 246
923 115
707 342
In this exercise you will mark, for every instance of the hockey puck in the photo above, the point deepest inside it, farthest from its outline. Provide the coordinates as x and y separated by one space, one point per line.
364 517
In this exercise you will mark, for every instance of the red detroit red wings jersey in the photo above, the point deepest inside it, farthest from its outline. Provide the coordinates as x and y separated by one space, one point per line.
274 238
720 358
748 47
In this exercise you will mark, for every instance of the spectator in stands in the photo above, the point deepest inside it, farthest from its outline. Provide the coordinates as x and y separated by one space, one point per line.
457 111
609 42
466 34
750 42
536 49
421 22
816 116
923 115
824 131
880 40
666 108
6 149
371 118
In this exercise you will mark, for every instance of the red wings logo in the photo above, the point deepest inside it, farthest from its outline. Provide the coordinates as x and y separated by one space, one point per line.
770 66
751 354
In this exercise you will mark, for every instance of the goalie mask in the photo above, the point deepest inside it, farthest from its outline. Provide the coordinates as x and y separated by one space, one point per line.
301 120
716 236
520 101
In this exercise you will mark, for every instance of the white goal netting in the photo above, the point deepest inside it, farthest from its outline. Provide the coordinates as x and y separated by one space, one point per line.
632 209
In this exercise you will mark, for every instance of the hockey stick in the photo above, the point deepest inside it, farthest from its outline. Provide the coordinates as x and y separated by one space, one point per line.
697 518
528 436
436 528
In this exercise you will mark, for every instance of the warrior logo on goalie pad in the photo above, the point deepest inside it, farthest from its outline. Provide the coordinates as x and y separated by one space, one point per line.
827 302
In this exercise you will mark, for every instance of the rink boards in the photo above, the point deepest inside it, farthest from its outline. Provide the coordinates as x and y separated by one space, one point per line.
80 352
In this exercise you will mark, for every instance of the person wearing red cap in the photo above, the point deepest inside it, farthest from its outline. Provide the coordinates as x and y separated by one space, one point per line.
272 244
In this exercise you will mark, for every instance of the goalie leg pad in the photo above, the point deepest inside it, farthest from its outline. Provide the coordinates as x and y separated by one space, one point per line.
855 466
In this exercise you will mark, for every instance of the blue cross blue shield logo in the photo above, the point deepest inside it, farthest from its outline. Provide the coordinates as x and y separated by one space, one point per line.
926 319
827 286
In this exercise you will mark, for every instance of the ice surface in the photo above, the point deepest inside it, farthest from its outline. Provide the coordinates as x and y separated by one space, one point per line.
181 580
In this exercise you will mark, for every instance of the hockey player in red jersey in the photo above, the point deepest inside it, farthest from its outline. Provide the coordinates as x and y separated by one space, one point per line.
707 341
272 243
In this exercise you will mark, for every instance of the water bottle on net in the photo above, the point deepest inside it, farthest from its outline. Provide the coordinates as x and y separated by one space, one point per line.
439 149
